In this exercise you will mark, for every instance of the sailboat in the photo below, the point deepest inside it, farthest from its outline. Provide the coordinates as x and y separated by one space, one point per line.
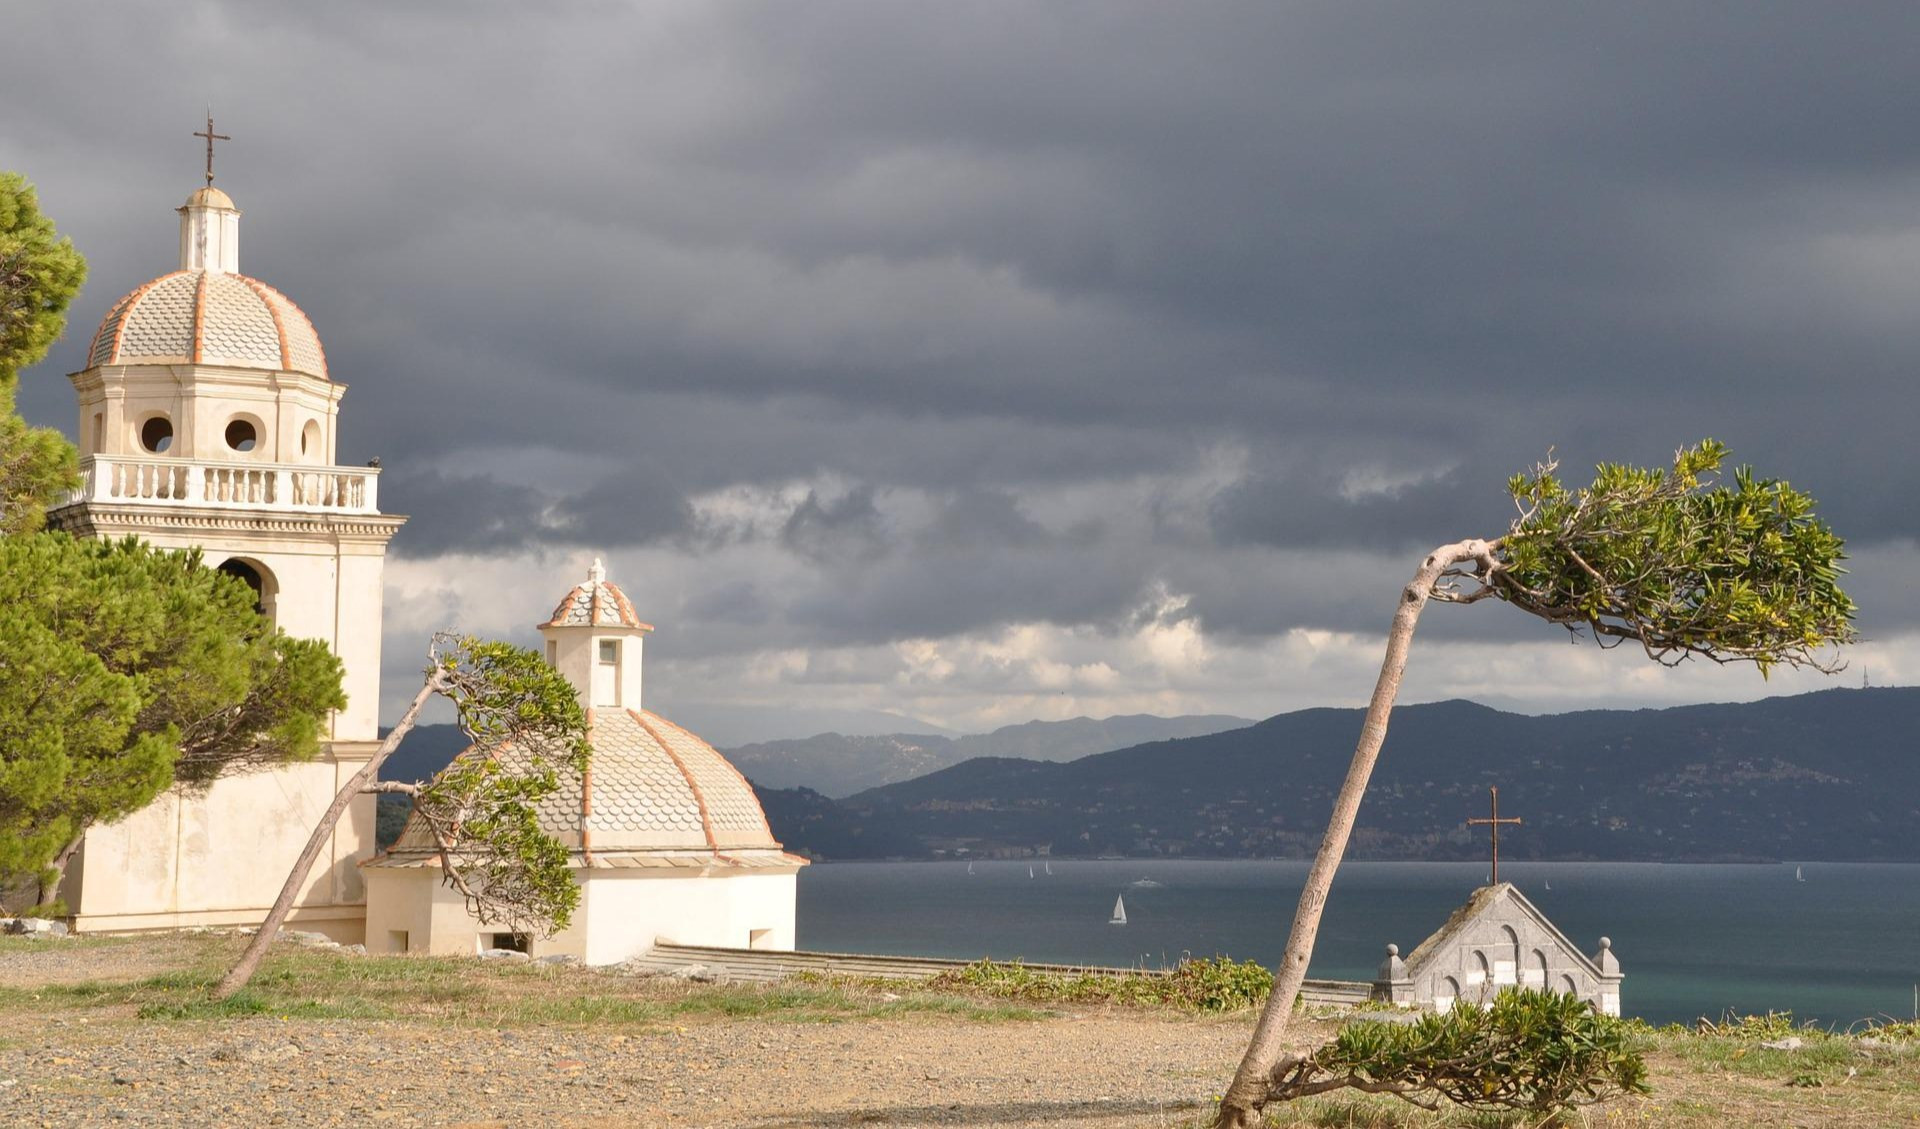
1029 870
1798 875
1049 867
969 868
1549 883
1119 910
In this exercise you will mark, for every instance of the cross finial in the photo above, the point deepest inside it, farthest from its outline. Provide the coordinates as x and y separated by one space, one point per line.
211 138
1494 822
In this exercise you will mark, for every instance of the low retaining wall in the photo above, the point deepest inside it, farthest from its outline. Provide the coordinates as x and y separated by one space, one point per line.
767 965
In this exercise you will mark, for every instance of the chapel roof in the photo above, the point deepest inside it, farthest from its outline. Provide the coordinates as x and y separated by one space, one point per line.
596 603
1477 905
208 317
653 795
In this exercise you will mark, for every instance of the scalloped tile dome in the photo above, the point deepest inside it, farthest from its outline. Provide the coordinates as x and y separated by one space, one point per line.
208 317
652 786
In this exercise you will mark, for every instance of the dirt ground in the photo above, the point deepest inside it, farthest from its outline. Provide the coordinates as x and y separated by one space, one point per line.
101 1063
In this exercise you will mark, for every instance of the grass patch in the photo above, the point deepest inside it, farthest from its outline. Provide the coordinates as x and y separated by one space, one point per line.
297 983
1211 985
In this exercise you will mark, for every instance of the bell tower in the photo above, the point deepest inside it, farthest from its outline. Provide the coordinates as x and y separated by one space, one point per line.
208 419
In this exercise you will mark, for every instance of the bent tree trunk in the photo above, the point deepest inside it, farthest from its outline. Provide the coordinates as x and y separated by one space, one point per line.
1240 1106
249 962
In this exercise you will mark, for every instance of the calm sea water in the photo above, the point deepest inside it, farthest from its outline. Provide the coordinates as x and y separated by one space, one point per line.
1693 940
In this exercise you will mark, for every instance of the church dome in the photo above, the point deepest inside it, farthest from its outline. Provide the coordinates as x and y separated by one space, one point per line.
653 796
209 317
597 603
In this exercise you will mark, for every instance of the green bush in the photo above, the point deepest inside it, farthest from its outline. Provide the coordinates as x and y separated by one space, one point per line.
1215 984
1537 1051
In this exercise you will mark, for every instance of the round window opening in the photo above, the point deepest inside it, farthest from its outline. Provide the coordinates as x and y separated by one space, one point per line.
156 434
241 436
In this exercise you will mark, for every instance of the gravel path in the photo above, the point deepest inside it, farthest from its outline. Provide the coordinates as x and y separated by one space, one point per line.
1088 1067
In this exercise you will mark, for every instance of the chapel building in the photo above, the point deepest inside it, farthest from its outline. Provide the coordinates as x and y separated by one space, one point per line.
665 837
208 419
1497 940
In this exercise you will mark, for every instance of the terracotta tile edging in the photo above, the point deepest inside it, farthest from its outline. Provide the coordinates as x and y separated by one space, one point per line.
199 316
699 798
260 290
586 800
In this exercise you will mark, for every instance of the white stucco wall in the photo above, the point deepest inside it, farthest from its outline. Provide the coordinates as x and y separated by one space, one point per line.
220 859
575 653
621 913
627 911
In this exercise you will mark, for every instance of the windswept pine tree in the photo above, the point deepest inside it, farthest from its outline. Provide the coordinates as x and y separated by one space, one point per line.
1674 561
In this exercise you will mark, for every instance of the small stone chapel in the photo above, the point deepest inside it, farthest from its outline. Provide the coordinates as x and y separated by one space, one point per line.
1498 939
665 837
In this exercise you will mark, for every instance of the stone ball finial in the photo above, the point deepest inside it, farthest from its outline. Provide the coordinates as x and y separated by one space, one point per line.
1393 950
1606 942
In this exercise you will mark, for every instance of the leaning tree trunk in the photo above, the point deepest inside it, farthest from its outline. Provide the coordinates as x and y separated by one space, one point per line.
249 961
56 871
1240 1106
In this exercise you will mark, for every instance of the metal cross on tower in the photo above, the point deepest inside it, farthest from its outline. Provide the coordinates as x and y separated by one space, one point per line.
1494 823
211 138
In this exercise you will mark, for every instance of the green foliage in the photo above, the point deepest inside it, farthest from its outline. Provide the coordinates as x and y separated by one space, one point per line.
527 728
40 273
1538 1051
124 669
1212 985
1678 561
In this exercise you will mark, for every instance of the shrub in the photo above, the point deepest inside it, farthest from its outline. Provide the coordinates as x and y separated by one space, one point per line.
1537 1051
1214 984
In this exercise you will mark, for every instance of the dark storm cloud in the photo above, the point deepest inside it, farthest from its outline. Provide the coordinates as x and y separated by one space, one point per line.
479 513
836 529
1389 254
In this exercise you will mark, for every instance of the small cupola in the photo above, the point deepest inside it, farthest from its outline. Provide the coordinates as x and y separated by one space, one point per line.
210 232
594 639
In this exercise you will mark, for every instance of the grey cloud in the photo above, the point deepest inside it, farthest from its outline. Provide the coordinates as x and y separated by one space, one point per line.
985 252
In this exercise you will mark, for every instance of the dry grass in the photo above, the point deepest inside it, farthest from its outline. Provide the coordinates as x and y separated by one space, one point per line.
297 983
1698 1081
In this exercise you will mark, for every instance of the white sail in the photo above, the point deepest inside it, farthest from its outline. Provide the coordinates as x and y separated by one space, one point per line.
1119 910
1798 875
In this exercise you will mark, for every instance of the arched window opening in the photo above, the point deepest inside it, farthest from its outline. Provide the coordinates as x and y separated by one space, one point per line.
310 441
156 434
242 435
257 578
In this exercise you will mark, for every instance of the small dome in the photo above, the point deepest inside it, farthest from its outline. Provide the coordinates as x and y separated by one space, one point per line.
209 197
209 317
654 795
597 603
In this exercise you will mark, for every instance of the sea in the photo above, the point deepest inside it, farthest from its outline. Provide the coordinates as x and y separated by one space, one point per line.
1835 943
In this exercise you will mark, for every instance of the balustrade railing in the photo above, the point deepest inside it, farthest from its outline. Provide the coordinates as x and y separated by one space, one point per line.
199 482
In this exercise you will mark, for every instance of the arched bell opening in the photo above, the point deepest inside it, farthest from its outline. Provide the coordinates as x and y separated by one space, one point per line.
257 577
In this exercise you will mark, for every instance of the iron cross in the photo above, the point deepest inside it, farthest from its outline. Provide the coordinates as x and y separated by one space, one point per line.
1494 823
211 138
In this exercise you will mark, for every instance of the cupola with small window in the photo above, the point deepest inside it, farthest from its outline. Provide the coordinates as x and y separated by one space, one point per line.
595 640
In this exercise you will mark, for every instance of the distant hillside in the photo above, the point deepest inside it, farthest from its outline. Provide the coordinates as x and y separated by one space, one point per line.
838 765
423 752
1827 775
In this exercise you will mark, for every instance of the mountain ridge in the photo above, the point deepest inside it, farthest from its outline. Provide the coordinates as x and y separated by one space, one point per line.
1827 774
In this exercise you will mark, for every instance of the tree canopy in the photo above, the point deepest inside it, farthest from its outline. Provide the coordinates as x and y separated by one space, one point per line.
1671 558
40 274
527 727
124 670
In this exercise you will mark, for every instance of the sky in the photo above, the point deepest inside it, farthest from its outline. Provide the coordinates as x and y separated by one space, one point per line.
965 364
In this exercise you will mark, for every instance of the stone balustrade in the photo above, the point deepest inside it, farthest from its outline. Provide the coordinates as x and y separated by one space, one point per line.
202 482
